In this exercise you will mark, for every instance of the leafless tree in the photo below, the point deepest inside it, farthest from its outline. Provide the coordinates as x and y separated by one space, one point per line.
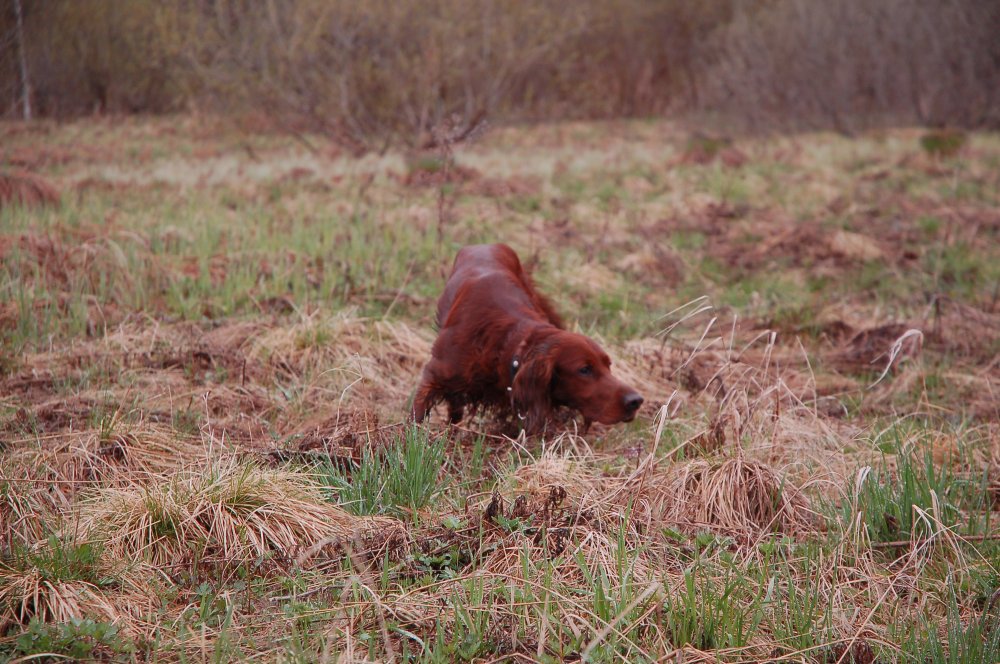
22 61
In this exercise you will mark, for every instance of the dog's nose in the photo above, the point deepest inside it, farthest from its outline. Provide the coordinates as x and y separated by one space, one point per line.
632 402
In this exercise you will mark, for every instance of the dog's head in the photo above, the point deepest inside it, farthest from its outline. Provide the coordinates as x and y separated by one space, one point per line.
567 369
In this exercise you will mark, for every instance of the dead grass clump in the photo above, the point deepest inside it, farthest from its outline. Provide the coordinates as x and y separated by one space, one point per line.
224 515
25 512
230 337
49 254
573 477
802 244
136 338
26 189
233 414
124 261
59 580
373 360
52 414
736 496
703 149
117 453
654 264
27 594
854 247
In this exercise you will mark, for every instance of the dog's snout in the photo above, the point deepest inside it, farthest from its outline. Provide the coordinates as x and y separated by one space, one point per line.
632 402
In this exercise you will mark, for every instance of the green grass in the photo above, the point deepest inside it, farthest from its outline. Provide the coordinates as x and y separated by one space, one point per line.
400 478
78 640
972 640
709 612
909 498
59 560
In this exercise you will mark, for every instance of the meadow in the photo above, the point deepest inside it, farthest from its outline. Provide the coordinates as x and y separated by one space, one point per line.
211 332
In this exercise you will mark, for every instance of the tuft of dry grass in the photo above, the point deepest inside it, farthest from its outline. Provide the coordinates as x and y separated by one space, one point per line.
28 594
116 452
224 514
26 513
343 355
736 496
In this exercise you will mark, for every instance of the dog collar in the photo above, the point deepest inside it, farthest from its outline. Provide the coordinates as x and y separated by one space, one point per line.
514 366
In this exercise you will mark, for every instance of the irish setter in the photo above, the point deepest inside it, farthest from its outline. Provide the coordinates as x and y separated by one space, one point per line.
502 347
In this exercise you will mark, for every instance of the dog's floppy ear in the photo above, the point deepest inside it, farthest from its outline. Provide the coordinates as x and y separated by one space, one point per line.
532 389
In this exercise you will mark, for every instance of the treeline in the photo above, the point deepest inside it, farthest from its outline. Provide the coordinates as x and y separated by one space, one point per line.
392 71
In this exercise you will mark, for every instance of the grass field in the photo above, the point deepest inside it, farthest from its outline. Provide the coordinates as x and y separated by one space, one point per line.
210 342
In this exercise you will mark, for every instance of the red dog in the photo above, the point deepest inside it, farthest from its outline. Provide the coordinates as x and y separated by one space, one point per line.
502 347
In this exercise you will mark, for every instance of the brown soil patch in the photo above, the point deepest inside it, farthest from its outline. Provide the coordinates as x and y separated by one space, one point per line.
870 350
804 244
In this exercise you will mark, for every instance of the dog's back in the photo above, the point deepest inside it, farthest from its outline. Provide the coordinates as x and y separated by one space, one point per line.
490 277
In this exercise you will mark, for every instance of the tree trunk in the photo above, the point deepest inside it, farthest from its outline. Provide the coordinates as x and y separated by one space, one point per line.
25 81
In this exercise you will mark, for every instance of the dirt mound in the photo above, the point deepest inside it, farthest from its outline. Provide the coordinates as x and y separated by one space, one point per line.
804 244
964 329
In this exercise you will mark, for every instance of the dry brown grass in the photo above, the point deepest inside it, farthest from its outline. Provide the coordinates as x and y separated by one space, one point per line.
46 590
26 512
224 514
26 595
117 453
735 496
27 190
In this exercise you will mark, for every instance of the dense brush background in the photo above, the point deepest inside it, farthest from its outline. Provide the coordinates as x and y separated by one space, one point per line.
393 69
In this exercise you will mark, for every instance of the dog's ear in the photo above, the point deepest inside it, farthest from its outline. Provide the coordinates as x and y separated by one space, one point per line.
532 390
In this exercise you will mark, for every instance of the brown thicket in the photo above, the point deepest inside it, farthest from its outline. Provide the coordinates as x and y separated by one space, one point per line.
851 64
389 71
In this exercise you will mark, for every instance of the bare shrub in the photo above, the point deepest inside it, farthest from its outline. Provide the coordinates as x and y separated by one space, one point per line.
87 55
846 65
376 72
367 74
380 73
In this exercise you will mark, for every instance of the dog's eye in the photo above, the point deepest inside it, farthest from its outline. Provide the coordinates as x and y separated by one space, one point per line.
586 371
